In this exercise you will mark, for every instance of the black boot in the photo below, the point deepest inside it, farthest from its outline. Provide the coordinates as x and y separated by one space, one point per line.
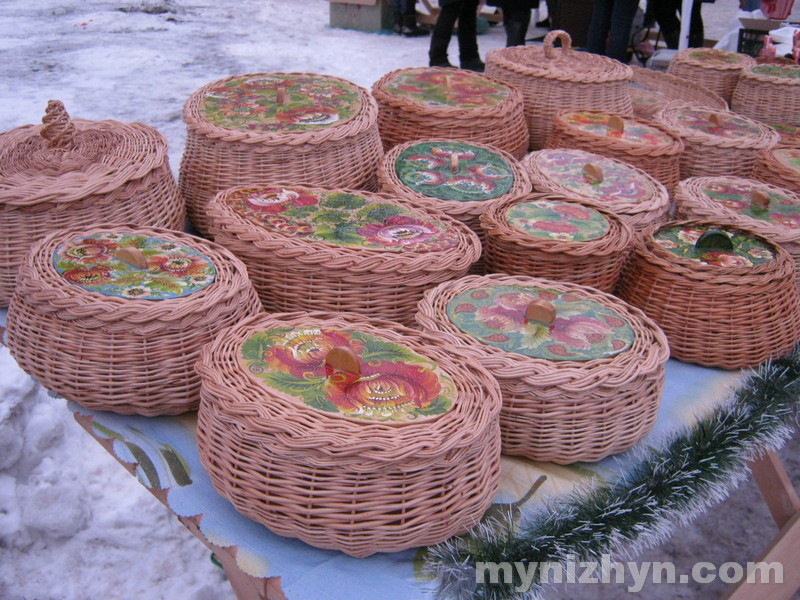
398 23
410 27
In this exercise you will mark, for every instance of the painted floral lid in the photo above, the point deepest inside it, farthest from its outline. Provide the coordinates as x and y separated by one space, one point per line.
454 171
555 220
344 219
133 266
632 131
788 157
714 57
281 103
715 247
618 182
715 123
754 200
779 71
348 373
455 88
568 328
790 135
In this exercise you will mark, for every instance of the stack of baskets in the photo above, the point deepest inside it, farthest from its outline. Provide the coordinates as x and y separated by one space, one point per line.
781 167
769 93
714 69
267 127
652 90
351 435
114 317
70 172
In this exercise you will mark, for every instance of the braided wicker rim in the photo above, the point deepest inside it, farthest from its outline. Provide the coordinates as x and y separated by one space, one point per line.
685 57
361 122
766 138
678 89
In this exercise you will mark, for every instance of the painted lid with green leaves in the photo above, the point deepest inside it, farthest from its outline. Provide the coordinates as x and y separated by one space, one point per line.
456 171
615 127
715 123
557 220
715 246
456 88
781 72
790 134
540 323
348 373
788 157
715 57
753 199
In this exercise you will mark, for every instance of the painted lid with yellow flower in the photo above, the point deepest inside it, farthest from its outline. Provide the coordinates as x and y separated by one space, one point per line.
715 246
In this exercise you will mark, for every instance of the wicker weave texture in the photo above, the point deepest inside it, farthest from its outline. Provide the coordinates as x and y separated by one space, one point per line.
770 170
565 411
771 100
340 484
727 317
717 76
653 90
130 356
217 158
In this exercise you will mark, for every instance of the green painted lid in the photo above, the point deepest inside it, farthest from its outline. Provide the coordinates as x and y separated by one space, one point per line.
447 88
790 135
737 195
788 157
740 251
555 220
716 57
779 71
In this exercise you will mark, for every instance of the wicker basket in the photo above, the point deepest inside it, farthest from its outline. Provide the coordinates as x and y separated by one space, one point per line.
781 167
340 250
769 93
652 91
716 70
619 187
720 307
70 173
579 389
556 237
266 127
348 435
639 142
114 317
430 102
553 79
789 136
717 142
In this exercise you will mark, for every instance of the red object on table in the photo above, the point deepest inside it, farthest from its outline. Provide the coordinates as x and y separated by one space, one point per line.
776 9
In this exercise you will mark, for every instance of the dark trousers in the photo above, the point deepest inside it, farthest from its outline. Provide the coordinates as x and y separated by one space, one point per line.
610 28
466 13
515 22
665 13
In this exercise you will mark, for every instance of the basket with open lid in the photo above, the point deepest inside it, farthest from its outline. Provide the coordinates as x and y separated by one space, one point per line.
69 172
781 167
299 127
769 93
348 433
652 90
113 317
724 295
715 69
581 372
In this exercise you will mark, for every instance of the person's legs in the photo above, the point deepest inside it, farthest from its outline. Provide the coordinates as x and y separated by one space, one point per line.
619 39
665 13
697 32
516 21
468 36
599 26
442 32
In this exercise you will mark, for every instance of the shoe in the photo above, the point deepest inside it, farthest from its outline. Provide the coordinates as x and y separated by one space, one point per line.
544 23
444 65
410 27
476 65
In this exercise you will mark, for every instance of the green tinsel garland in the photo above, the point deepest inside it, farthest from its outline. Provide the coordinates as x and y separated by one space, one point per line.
696 468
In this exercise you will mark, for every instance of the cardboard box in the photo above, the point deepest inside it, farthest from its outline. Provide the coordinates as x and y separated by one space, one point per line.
760 24
363 15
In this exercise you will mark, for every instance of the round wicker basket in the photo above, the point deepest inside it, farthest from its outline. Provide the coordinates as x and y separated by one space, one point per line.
555 237
769 93
340 250
639 142
553 79
781 167
652 91
717 142
722 304
114 317
430 102
563 405
299 127
714 69
70 172
349 434
616 185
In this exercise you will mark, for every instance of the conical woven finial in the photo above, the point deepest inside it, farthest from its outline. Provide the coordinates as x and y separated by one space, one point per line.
58 130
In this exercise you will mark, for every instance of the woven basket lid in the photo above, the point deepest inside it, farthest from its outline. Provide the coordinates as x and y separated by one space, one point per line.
779 74
713 58
790 135
68 159
717 128
619 130
788 158
651 89
557 220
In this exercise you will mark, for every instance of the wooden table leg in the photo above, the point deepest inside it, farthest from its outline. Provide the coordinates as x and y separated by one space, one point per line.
776 487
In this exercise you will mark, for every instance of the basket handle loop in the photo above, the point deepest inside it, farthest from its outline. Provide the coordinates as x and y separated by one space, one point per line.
759 201
714 239
540 311
132 256
552 36
57 129
615 125
593 173
342 359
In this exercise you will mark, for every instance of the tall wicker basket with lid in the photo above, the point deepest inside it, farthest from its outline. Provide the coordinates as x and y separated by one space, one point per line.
780 166
717 70
266 127
769 93
350 434
72 172
652 91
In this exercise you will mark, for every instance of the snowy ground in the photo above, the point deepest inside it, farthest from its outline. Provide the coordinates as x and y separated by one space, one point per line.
73 524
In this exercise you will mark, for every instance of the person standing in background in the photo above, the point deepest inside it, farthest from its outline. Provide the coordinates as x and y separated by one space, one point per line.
466 13
610 28
405 18
667 14
516 18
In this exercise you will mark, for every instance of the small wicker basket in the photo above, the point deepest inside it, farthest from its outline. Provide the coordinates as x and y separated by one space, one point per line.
717 142
430 102
556 237
553 79
714 69
114 317
340 250
725 296
298 127
348 434
639 142
71 172
616 185
769 93
781 167
652 91
581 372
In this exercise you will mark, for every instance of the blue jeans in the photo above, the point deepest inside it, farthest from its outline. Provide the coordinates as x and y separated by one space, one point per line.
610 28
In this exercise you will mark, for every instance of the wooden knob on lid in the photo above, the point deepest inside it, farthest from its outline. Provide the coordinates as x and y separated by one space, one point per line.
343 359
132 256
714 239
540 311
615 125
454 163
592 173
280 95
759 201
715 119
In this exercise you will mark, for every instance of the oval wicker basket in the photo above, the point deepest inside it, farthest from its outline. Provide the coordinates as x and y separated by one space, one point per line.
714 69
112 348
639 142
760 207
556 237
553 79
781 167
721 313
430 102
769 93
346 476
340 250
71 172
717 142
298 127
555 410
616 185
652 91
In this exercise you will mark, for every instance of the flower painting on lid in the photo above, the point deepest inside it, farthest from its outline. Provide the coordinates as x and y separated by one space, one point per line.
746 251
447 87
738 196
554 220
